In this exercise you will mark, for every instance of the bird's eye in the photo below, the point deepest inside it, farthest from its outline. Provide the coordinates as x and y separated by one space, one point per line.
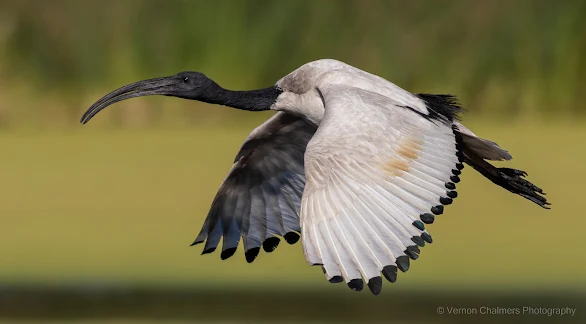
185 79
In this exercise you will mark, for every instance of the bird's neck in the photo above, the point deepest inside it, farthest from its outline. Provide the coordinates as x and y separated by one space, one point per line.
253 100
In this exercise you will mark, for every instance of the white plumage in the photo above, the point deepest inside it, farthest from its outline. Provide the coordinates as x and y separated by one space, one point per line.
356 196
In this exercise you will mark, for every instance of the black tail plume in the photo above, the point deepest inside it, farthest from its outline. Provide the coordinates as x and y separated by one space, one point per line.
510 179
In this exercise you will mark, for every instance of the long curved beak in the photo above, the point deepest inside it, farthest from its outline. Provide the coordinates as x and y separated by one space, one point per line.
157 86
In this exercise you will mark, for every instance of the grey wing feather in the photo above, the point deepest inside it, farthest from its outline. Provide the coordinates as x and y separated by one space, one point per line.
260 198
484 148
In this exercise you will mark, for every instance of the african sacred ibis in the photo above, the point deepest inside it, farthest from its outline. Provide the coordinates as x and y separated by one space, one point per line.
351 161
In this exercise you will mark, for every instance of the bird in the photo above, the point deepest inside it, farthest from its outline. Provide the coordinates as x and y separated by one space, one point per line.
352 164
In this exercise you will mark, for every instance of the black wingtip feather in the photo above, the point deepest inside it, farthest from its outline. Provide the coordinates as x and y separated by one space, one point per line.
427 238
251 254
207 251
390 273
356 284
418 240
375 285
437 210
270 244
291 237
419 225
445 200
403 263
412 252
427 218
336 279
460 156
227 253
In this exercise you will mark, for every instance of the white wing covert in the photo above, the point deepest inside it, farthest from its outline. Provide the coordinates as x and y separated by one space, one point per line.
376 171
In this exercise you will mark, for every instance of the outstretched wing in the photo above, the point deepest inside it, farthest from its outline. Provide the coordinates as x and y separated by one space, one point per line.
376 172
260 198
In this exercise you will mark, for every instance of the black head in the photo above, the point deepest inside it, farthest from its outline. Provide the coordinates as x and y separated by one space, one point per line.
192 85
188 85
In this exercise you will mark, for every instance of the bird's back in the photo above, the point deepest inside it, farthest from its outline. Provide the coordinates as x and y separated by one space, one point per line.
325 72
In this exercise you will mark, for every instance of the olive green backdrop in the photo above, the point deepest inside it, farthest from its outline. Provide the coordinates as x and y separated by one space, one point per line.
96 220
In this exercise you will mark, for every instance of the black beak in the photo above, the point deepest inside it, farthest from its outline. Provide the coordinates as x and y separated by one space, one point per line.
157 86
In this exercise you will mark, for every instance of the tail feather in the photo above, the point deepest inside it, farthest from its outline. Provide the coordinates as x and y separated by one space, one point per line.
484 148
510 179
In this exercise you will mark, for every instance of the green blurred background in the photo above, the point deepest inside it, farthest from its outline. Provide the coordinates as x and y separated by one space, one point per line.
95 220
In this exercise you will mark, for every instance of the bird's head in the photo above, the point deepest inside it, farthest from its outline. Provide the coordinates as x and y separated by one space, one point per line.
188 85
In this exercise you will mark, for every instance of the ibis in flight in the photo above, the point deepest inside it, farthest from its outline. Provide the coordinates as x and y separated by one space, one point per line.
351 163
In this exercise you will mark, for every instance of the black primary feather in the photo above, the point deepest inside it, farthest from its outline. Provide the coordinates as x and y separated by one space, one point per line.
261 196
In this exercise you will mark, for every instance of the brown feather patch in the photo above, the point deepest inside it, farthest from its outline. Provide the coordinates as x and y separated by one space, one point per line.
407 151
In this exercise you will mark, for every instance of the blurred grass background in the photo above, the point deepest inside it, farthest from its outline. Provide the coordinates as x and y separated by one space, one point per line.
112 206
